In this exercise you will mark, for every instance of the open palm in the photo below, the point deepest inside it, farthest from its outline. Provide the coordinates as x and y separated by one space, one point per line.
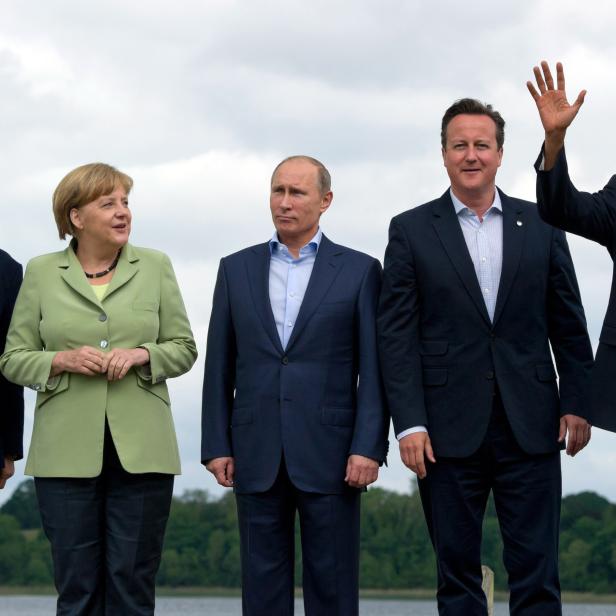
555 111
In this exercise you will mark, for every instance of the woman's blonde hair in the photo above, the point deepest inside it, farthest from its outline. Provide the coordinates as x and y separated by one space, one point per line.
82 186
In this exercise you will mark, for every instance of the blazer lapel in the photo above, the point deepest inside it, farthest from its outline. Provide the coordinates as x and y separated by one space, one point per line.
73 273
326 268
448 229
514 233
257 272
126 268
75 278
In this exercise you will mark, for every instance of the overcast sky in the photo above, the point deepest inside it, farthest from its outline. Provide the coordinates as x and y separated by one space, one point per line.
198 100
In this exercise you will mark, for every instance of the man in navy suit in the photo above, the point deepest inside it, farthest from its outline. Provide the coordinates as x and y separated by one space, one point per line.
476 288
293 413
592 216
11 396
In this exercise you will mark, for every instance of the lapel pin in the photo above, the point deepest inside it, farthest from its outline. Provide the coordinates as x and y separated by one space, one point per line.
519 223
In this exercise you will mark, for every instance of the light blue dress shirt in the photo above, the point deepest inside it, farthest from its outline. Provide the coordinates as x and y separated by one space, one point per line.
484 240
288 280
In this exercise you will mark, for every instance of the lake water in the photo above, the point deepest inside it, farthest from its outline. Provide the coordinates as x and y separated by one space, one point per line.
207 606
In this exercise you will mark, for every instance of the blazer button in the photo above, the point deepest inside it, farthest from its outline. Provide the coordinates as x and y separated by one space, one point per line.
102 318
285 360
104 344
490 375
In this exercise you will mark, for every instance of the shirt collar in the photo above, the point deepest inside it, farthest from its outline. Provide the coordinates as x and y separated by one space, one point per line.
276 245
464 210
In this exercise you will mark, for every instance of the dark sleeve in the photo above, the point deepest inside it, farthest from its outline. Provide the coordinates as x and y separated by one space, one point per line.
372 420
219 377
11 396
567 330
560 204
398 333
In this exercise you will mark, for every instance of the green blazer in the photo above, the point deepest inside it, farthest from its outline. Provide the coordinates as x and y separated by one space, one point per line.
57 310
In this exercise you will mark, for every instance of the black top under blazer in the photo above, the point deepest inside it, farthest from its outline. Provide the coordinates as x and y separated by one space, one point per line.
441 355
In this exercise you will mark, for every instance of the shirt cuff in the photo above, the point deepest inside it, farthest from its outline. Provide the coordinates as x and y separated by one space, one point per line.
412 430
542 163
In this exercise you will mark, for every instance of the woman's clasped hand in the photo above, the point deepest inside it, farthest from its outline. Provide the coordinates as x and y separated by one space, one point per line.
93 362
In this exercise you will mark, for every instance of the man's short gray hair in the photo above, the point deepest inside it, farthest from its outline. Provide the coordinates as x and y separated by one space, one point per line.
324 179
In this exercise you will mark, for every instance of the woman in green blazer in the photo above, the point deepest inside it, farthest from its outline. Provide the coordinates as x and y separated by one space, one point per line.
97 330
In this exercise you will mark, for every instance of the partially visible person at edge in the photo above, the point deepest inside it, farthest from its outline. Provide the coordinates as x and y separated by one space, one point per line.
477 290
293 411
11 395
97 330
592 216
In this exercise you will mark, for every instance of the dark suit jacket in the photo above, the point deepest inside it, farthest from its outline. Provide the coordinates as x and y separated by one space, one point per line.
592 216
440 353
11 396
315 402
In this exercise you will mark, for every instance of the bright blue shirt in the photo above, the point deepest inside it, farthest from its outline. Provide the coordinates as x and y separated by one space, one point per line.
288 280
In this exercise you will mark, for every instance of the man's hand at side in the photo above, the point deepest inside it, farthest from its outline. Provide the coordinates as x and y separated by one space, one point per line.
414 448
223 469
7 471
361 471
578 431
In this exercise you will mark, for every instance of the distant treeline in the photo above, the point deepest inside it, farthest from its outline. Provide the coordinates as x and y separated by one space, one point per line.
202 544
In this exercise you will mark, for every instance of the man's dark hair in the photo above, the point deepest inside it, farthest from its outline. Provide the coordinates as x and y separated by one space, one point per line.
473 107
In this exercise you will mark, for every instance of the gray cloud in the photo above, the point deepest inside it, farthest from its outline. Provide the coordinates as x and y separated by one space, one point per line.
198 100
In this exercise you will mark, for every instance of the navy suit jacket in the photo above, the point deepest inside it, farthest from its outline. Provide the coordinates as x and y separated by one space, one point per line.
592 216
441 354
315 402
11 396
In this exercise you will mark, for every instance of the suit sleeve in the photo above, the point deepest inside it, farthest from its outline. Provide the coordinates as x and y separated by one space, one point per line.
25 360
398 331
11 396
372 420
567 330
592 216
219 376
175 351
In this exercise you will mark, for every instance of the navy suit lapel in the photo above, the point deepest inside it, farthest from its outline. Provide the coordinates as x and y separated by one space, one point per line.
257 272
326 268
514 233
447 227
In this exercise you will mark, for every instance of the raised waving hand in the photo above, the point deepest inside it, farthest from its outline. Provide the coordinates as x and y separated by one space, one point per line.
555 111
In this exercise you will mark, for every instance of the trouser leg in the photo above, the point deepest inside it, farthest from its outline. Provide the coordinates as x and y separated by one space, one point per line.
72 513
267 547
137 510
330 551
454 496
527 496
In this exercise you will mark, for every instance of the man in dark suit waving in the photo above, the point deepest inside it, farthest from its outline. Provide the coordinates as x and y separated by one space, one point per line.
11 396
293 414
475 290
591 215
